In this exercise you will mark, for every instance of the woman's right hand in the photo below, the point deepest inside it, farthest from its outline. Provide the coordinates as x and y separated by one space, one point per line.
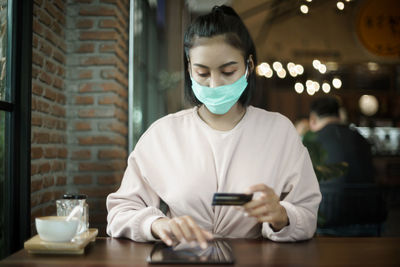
182 228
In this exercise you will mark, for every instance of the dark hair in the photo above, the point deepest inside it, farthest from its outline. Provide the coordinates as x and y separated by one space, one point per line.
222 20
325 106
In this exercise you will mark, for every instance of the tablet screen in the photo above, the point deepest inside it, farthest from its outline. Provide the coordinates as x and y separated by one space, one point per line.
217 252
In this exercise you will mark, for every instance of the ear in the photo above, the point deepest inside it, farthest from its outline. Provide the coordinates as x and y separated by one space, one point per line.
251 64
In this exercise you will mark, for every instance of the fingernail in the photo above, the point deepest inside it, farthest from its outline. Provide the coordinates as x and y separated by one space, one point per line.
203 245
169 242
246 214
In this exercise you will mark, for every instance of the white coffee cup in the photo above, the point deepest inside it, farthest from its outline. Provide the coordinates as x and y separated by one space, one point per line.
56 228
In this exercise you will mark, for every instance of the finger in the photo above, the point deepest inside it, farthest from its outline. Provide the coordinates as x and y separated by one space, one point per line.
198 233
183 225
176 230
208 235
257 188
261 210
263 199
164 236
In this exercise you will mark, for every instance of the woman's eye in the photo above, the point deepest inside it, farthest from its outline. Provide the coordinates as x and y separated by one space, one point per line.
228 73
203 74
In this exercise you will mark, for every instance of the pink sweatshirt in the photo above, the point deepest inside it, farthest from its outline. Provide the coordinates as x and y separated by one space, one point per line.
183 161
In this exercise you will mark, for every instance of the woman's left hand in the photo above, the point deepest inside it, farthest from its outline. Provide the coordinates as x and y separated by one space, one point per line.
266 207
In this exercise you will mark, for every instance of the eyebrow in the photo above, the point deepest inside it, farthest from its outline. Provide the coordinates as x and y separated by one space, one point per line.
222 66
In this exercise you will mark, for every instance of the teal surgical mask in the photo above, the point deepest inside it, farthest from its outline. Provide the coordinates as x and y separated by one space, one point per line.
219 100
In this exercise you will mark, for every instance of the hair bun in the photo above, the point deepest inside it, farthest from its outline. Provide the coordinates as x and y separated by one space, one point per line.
225 10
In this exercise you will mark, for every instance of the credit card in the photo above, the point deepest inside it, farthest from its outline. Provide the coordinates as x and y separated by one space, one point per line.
230 199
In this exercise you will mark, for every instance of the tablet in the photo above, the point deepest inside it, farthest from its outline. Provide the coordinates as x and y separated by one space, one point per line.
217 252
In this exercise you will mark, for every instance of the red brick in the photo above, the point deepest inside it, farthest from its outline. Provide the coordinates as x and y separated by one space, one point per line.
50 36
61 180
37 59
37 89
84 1
50 66
97 11
45 48
34 168
83 126
59 57
57 29
84 100
112 154
44 167
121 115
58 83
117 127
84 24
85 48
36 185
61 99
55 13
99 61
50 210
36 120
50 94
38 28
114 178
35 41
41 138
114 74
60 71
123 55
57 166
50 152
102 140
81 154
60 5
49 122
102 166
42 106
98 35
35 72
58 110
56 138
85 74
48 181
36 152
82 179
62 153
44 77
43 17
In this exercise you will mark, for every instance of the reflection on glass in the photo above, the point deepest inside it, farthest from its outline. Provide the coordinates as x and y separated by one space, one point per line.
2 179
3 48
217 252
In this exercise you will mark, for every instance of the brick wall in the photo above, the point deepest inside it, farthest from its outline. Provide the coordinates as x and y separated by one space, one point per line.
79 103
49 122
97 67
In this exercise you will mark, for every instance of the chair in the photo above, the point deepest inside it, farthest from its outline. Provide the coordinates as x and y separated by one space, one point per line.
351 209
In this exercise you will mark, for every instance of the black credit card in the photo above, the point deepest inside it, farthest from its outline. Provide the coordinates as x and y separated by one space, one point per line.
231 199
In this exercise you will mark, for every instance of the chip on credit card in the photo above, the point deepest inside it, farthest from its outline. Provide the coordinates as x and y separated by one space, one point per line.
231 199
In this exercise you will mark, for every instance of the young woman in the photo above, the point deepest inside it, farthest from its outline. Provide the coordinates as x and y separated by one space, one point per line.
220 145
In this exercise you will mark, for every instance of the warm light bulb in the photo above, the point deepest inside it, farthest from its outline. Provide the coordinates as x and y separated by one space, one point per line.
316 63
299 69
304 9
277 65
326 87
269 73
368 105
299 88
281 73
337 83
340 5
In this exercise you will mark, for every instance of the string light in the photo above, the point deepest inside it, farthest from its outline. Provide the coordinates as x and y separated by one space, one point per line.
337 83
340 5
299 88
304 9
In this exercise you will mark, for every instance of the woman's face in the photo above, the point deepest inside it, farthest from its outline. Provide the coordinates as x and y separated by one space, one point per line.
213 62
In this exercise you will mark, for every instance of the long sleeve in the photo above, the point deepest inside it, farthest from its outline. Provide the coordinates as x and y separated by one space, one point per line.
133 208
302 199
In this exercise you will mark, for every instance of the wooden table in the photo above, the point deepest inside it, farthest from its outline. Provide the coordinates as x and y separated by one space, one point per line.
320 251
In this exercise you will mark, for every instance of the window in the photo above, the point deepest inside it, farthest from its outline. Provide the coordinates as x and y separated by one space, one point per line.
15 103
